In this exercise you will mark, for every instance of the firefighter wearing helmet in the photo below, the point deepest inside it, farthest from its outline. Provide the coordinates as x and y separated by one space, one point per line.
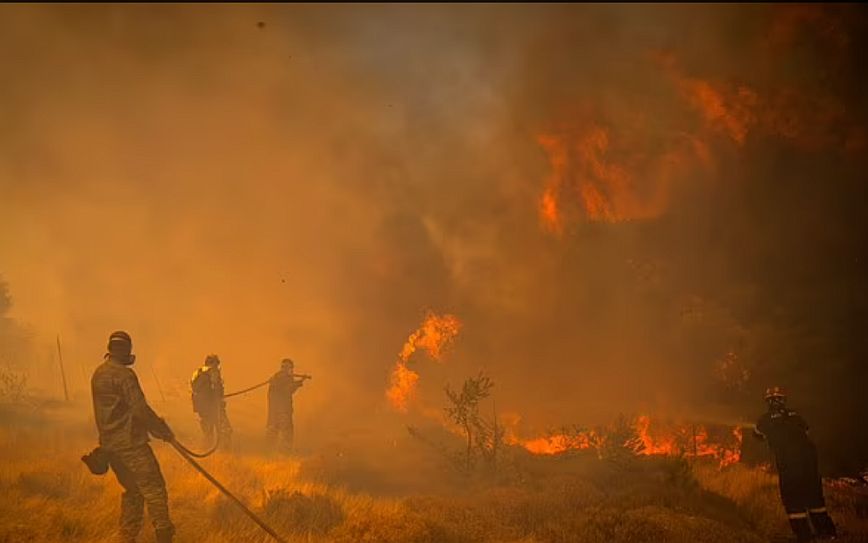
801 488
209 403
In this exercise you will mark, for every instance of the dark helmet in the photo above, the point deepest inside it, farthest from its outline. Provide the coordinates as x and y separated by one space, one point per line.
212 360
120 347
775 394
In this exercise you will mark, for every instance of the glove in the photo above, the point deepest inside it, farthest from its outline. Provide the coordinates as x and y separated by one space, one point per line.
163 431
97 461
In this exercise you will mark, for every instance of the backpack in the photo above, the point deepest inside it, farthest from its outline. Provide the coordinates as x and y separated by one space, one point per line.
200 385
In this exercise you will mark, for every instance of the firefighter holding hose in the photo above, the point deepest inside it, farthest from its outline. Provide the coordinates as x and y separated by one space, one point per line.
281 387
124 419
801 488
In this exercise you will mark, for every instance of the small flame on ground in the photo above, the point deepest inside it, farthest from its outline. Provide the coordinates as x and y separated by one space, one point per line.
689 440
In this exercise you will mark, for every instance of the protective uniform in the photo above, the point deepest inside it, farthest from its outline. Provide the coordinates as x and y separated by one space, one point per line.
124 419
281 387
801 488
208 401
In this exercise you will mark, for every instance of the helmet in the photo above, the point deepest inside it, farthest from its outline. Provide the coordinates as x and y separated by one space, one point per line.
120 347
775 393
212 360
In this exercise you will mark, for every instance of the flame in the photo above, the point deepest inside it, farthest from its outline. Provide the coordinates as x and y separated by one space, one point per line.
689 440
433 336
549 213
403 385
598 175
549 209
559 443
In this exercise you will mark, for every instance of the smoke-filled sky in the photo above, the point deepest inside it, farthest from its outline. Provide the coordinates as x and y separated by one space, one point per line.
628 207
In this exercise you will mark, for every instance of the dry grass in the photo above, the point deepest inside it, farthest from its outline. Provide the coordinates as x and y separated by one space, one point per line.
755 493
48 496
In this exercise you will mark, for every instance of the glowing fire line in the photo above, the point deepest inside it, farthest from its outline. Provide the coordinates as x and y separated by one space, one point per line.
689 440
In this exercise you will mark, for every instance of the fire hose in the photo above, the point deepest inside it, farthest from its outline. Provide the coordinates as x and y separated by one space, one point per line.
262 384
189 457
205 454
244 391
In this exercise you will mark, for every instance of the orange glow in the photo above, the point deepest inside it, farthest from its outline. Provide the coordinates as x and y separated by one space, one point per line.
549 208
737 110
689 440
597 175
559 443
549 213
731 112
403 384
434 335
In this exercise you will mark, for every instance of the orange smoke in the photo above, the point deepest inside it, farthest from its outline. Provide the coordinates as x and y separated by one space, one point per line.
730 372
735 110
435 333
731 111
598 174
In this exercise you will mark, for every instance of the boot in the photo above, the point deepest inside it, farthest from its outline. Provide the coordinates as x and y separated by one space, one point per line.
823 524
164 535
801 527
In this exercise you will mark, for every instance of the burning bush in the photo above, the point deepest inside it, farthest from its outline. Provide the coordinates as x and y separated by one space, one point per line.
630 437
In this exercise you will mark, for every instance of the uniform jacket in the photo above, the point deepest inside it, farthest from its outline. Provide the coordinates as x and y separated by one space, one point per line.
281 387
123 416
787 435
211 393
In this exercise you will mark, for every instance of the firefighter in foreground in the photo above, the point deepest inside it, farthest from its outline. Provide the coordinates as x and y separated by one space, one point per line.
281 387
124 419
786 433
209 403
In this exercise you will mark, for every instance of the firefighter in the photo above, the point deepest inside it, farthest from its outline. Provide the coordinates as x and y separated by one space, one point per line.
281 387
124 419
786 433
209 403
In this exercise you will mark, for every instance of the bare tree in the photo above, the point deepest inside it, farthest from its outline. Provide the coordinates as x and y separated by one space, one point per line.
464 411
